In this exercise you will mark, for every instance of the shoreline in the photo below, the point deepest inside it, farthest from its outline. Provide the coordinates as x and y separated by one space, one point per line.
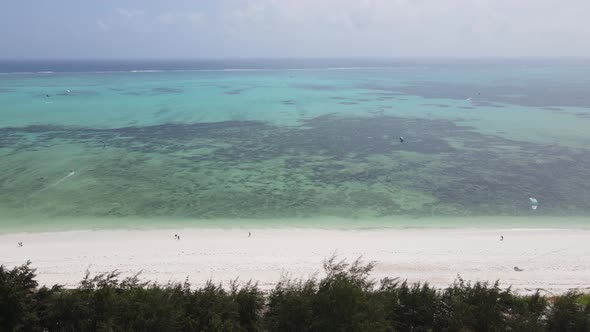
16 225
553 259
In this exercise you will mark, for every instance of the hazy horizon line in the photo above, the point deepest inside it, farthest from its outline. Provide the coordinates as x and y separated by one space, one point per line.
581 57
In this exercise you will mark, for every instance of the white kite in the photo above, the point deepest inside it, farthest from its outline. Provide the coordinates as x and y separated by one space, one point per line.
534 203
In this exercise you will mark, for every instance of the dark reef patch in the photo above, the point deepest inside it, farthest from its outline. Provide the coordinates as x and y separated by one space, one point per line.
437 105
234 91
553 109
163 110
133 93
166 90
77 93
10 140
329 162
321 87
486 104
340 137
533 93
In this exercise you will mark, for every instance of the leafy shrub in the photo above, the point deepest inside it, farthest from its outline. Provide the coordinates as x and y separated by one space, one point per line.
17 298
478 307
566 315
346 299
409 307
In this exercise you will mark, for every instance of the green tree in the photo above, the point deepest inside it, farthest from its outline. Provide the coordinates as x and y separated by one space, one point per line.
477 307
17 299
409 308
250 302
567 315
346 299
527 313
289 305
211 308
343 299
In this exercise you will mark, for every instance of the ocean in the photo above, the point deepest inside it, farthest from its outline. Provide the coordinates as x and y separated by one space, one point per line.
91 144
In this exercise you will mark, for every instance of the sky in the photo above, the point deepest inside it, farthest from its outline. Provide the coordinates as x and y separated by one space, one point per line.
149 29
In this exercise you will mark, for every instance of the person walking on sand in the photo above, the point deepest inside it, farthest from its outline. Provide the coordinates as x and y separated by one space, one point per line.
501 237
249 234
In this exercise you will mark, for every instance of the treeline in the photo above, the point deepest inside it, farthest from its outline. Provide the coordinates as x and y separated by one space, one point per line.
346 299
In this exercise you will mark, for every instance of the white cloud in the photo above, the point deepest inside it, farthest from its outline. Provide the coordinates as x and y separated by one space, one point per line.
414 27
344 13
180 17
102 25
138 21
122 18
129 13
361 27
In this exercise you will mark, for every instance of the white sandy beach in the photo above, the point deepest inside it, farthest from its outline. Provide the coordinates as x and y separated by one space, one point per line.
555 260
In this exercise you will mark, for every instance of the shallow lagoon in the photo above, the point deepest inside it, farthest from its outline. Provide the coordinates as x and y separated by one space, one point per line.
289 143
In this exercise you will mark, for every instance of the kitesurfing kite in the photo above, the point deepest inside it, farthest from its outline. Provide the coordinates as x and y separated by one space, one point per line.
534 203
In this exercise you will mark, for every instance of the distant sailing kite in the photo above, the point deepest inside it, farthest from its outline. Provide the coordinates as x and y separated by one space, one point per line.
534 203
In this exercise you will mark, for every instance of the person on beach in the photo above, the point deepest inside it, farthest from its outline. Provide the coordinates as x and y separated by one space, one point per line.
249 234
501 237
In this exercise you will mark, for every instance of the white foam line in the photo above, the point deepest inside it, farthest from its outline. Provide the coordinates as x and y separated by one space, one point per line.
139 71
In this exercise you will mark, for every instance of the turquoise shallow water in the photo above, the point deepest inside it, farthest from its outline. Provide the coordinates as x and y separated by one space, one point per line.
277 143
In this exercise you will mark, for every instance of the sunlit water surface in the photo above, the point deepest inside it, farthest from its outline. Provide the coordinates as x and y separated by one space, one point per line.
114 144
